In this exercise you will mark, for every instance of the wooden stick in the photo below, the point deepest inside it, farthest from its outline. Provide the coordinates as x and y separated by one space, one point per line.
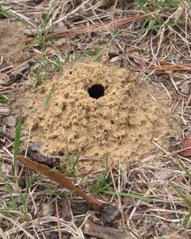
105 232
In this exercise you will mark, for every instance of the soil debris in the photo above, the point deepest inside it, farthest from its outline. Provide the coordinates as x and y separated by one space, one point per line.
98 109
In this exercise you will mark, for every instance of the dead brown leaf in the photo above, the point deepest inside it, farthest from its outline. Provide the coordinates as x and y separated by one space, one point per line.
186 147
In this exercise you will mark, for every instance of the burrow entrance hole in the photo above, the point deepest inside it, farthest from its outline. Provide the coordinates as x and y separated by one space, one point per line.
96 91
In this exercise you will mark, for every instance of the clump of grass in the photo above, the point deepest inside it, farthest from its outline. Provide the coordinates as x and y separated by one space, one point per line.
71 168
156 22
38 76
67 59
41 35
57 63
100 52
46 65
17 201
103 185
71 162
100 184
4 11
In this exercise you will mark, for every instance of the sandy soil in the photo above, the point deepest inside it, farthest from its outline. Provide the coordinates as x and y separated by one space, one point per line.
122 120
12 34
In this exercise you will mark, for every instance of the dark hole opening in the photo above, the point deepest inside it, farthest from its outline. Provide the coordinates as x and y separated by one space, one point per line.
96 91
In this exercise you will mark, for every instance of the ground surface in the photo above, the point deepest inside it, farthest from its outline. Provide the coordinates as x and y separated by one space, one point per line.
140 120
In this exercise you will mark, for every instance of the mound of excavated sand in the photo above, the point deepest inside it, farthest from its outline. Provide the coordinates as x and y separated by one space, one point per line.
99 109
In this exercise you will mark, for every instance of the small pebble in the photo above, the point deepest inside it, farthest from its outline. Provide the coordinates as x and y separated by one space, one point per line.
11 121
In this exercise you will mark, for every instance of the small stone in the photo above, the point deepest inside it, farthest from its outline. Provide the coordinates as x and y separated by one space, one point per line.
109 215
115 59
11 121
4 110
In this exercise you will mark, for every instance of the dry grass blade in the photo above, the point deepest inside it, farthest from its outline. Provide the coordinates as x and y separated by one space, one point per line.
17 225
57 214
166 67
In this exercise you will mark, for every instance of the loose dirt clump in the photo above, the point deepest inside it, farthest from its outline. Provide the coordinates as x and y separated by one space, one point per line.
99 109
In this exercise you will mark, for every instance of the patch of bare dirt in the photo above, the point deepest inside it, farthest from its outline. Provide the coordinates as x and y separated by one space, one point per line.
99 109
12 34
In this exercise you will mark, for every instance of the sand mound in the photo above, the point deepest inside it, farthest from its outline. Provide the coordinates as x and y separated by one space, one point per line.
99 109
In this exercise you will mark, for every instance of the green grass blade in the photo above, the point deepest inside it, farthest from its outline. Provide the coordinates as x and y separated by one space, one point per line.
132 195
143 28
49 95
71 163
109 184
31 182
99 185
74 165
168 24
45 22
3 99
67 59
18 135
17 140
3 11
185 198
185 169
187 219
141 5
166 3
106 45
83 54
57 64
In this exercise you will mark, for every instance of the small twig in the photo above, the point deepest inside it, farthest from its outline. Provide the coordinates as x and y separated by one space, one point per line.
92 27
173 153
58 222
105 232
16 67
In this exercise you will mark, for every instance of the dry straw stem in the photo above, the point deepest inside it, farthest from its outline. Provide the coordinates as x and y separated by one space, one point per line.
165 67
57 214
15 67
92 28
